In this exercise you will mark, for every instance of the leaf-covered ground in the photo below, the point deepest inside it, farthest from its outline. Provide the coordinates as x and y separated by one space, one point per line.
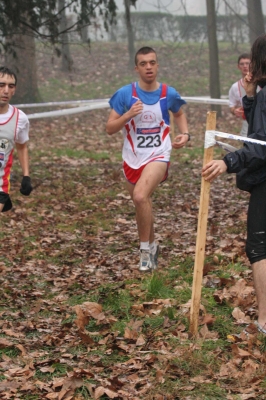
77 318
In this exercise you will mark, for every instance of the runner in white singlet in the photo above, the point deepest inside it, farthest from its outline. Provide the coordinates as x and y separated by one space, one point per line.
140 110
14 132
237 92
146 135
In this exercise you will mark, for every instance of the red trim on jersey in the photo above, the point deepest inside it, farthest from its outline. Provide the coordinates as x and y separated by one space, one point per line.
7 169
164 91
134 90
133 124
157 158
129 138
166 132
127 128
6 176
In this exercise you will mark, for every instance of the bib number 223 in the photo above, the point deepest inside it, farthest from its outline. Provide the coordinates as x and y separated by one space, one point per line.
149 141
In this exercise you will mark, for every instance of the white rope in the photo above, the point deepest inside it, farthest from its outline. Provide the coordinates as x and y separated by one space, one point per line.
86 105
68 111
227 147
210 138
202 99
206 100
60 103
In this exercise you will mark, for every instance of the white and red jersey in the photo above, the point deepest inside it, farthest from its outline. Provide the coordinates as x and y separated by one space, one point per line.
14 127
147 135
236 93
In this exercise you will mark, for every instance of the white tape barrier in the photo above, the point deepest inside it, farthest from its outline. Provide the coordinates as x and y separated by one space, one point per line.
60 103
203 99
68 111
225 146
86 105
206 100
210 138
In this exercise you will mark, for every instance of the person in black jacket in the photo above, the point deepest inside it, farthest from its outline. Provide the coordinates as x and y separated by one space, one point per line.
249 163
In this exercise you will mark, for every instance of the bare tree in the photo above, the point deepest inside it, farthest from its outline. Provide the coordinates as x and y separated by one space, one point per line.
22 47
130 33
236 24
67 61
213 54
255 19
22 22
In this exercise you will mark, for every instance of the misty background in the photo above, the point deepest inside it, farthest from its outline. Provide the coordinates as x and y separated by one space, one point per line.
192 7
61 28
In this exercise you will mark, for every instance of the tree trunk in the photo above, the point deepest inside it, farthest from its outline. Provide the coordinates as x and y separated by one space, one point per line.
112 33
130 34
255 19
21 59
67 61
213 55
84 34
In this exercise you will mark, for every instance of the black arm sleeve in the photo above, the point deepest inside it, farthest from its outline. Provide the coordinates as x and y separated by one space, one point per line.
248 105
251 156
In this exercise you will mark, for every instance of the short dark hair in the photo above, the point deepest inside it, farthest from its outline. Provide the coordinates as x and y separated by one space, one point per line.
144 50
9 72
258 60
243 56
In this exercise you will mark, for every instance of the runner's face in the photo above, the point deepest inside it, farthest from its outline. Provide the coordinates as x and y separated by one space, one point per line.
7 89
147 67
243 66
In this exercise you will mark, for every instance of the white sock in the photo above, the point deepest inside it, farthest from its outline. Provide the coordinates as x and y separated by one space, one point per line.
144 246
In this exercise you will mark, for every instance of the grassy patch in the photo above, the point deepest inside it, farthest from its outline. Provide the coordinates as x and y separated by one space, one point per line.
157 287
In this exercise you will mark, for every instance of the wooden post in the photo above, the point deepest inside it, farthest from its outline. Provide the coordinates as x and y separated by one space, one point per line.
172 125
201 234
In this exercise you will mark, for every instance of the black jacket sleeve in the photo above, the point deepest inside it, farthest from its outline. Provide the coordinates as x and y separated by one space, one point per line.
251 156
248 105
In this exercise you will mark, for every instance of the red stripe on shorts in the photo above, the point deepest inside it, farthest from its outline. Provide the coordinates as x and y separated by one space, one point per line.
133 175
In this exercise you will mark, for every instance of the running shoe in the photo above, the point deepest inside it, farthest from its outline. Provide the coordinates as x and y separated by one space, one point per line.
154 258
145 261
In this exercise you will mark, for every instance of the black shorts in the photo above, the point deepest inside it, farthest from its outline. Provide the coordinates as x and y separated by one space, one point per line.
256 224
5 199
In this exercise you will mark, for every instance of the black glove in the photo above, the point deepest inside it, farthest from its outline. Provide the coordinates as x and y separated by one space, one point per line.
25 187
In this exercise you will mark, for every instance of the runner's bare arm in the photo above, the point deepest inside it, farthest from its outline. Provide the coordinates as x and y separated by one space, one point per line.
181 122
116 121
22 150
23 156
